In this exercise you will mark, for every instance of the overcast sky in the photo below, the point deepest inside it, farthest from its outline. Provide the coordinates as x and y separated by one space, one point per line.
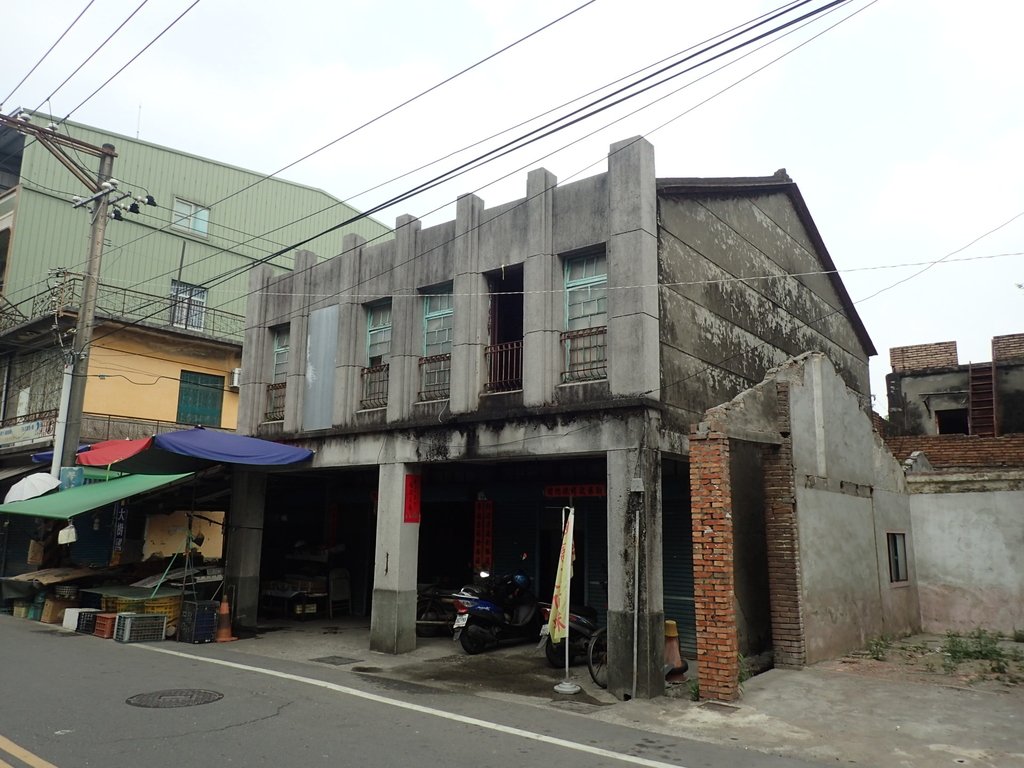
902 125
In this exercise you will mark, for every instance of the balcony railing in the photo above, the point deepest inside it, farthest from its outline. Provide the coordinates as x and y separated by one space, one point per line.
375 386
504 366
586 354
275 402
125 304
435 376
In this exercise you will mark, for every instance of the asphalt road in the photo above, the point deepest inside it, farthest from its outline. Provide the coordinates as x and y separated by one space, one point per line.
63 703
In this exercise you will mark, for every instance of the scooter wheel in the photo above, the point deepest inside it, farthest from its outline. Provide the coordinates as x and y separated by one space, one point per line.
555 654
471 642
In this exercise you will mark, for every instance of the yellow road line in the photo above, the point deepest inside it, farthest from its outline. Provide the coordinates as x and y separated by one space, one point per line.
12 749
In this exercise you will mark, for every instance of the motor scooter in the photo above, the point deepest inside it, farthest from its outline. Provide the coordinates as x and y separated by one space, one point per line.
582 626
496 611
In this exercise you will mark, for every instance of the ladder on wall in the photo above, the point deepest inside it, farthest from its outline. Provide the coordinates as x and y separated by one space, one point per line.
982 400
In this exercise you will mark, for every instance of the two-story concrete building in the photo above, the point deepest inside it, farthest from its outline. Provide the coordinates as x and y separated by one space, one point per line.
465 381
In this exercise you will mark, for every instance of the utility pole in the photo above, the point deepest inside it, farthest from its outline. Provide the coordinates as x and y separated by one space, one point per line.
79 362
68 428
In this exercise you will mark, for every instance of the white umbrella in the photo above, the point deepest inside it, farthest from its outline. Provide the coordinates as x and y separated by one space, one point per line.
31 486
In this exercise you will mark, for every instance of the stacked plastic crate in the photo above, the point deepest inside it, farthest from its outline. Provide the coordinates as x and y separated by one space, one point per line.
198 621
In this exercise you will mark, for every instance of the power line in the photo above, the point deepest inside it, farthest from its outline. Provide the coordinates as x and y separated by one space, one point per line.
48 52
507 130
133 58
505 150
89 57
390 111
235 273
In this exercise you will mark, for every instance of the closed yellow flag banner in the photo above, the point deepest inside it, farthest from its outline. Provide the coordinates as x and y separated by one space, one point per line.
558 621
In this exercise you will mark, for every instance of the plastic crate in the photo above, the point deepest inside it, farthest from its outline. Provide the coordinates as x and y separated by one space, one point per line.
139 627
104 625
130 605
198 621
71 616
168 606
87 620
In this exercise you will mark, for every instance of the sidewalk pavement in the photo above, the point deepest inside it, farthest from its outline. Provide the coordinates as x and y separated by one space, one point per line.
821 713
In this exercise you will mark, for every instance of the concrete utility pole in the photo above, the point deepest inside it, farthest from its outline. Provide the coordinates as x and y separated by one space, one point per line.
68 428
86 317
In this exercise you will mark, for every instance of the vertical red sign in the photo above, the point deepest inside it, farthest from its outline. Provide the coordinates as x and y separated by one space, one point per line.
412 498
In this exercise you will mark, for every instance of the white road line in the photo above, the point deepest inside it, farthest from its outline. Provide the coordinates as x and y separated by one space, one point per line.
544 739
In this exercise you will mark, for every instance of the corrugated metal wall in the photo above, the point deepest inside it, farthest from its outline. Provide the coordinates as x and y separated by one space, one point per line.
49 233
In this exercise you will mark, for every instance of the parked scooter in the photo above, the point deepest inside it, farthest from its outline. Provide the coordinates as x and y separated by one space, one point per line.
582 626
495 611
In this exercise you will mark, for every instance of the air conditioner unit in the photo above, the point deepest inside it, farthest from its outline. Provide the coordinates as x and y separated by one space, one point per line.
236 378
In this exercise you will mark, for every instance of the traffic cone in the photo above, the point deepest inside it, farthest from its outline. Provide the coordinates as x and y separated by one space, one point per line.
224 622
675 667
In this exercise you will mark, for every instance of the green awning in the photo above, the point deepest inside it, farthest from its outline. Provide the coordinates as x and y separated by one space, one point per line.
63 505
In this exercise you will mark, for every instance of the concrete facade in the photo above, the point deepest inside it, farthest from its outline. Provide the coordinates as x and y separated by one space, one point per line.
621 389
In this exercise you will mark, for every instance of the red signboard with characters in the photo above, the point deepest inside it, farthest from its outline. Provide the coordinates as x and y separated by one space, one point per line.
412 498
574 491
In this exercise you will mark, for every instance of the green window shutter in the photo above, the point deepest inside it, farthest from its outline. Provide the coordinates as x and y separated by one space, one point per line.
200 397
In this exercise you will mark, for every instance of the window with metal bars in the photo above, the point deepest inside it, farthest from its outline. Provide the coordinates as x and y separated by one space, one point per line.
584 342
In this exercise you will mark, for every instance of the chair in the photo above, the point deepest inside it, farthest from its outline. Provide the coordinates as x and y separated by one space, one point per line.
339 590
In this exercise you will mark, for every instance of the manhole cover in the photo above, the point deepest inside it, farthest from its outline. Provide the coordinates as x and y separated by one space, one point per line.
338 661
186 697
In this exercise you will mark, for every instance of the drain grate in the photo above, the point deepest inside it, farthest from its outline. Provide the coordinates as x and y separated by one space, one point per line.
337 661
184 697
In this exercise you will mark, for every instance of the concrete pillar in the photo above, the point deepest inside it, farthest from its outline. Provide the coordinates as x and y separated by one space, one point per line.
298 329
714 571
543 314
245 544
393 619
636 612
471 304
351 353
633 337
406 323
252 392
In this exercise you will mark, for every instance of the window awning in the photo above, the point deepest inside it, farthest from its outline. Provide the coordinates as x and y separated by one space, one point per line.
63 505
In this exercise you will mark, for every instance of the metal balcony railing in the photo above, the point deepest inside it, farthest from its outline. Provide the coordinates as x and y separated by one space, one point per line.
504 366
586 354
375 386
125 304
435 376
275 402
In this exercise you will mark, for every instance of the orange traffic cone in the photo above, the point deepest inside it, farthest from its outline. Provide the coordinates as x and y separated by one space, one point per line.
224 622
675 667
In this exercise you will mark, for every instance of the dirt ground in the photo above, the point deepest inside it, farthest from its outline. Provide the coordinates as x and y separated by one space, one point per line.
949 660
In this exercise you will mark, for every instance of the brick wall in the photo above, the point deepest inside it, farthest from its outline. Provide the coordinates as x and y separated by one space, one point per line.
784 574
962 451
922 357
1008 349
713 574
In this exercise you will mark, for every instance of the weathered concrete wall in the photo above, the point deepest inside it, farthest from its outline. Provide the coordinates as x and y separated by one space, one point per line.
1010 399
969 548
731 331
914 399
850 492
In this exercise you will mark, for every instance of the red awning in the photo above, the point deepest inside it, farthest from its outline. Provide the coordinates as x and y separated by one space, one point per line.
111 451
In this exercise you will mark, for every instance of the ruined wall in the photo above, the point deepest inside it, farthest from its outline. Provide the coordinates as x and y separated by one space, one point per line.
969 549
914 399
850 493
720 335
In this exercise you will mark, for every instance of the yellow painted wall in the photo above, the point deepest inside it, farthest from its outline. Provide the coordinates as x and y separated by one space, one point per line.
165 535
135 373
